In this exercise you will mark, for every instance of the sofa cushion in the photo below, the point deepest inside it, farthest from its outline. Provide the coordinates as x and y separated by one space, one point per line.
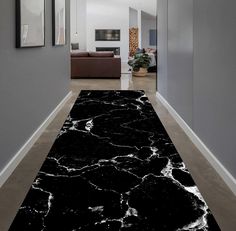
79 54
101 54
75 46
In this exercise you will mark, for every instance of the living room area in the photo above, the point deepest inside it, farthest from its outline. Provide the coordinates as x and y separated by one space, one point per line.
107 35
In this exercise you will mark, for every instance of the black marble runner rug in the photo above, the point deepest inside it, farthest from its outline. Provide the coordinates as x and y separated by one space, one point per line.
113 167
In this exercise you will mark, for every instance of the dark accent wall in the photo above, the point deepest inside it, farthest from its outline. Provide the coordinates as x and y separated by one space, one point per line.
198 76
33 81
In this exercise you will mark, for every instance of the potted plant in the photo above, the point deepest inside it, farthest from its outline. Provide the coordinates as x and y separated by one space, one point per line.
140 64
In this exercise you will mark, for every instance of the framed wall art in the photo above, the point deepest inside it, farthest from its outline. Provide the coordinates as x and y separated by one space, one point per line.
59 22
30 23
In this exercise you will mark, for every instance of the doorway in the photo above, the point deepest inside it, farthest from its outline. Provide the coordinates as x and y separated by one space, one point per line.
136 23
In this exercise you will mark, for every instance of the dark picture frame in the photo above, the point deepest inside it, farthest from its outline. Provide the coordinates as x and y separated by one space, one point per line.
59 22
30 23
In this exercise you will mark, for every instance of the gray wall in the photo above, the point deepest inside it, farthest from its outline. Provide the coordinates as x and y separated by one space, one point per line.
162 46
180 55
32 82
200 82
215 78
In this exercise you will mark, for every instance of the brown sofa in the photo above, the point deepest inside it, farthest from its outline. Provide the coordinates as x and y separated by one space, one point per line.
95 65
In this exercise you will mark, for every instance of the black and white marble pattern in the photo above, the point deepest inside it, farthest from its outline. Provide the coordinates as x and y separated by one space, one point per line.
113 167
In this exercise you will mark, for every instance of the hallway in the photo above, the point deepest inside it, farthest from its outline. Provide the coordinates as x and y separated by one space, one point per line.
196 79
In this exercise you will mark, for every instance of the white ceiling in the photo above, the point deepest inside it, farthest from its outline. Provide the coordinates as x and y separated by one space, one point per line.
149 6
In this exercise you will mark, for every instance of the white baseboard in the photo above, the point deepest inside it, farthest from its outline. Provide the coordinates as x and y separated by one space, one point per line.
13 163
217 165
